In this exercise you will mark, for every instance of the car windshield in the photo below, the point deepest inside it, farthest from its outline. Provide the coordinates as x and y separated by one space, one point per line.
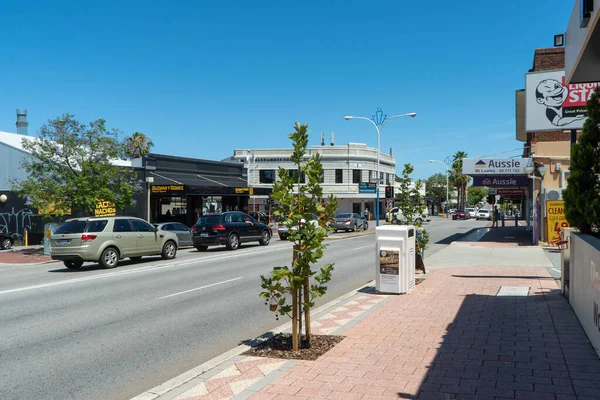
344 216
460 211
209 219
71 227
484 211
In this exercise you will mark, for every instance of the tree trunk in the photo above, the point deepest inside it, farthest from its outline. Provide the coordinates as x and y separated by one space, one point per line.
295 306
308 332
419 263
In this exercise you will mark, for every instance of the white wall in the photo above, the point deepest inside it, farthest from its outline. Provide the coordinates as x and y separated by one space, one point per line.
582 65
584 285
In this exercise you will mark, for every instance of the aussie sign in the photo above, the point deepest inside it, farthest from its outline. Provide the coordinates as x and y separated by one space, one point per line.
494 166
550 104
500 181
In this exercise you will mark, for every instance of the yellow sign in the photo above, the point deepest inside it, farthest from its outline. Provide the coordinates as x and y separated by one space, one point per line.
105 209
556 221
166 188
250 191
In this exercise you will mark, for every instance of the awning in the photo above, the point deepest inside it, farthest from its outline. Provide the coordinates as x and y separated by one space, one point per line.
193 179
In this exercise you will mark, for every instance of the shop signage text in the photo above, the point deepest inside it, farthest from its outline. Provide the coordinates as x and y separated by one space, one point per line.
249 191
367 187
556 221
510 192
105 209
494 166
167 188
500 181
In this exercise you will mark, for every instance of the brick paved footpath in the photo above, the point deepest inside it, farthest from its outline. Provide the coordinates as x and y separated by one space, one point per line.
452 338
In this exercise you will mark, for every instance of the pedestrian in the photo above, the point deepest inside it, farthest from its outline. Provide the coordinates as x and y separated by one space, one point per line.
495 217
366 213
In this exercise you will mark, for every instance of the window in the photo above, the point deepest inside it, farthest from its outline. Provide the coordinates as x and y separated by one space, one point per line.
141 226
247 218
294 174
71 227
236 218
322 176
381 177
387 179
121 225
213 219
339 176
180 227
356 176
267 175
96 226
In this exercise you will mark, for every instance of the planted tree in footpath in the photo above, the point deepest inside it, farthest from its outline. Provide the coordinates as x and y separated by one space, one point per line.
291 290
72 166
582 195
459 180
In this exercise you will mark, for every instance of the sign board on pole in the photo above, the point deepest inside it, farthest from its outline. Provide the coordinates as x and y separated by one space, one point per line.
367 187
550 104
556 220
494 166
500 181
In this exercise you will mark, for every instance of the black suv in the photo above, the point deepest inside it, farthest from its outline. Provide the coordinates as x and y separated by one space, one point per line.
229 229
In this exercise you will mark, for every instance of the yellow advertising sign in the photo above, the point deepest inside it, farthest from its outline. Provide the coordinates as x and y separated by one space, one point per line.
556 221
105 209
250 191
166 188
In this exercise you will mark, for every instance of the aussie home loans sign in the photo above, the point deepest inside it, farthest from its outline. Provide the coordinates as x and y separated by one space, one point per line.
494 166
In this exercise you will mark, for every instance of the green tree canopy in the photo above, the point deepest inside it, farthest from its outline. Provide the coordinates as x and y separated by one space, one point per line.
137 145
475 194
435 185
582 195
73 165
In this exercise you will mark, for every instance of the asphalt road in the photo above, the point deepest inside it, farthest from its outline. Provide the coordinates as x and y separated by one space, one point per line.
112 334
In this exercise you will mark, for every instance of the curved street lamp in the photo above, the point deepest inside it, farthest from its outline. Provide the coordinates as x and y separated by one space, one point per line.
379 120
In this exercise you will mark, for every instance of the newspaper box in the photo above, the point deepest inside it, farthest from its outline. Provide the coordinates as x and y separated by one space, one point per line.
395 258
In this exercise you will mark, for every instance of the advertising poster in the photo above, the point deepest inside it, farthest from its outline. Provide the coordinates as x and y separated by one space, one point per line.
105 209
556 221
389 264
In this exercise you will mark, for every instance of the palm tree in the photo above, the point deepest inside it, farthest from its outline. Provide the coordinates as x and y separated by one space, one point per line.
138 145
459 180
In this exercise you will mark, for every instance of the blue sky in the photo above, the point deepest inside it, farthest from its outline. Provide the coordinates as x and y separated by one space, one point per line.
203 78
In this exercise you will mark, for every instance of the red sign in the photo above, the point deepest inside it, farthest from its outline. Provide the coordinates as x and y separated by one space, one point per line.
510 192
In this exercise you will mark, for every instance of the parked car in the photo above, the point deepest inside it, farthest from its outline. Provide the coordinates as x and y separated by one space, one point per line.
484 214
284 231
6 241
230 229
107 240
472 212
397 214
460 214
184 234
349 222
260 216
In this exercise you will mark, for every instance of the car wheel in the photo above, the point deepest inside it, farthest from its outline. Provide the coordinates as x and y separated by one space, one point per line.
73 264
418 221
135 259
353 228
201 248
265 238
6 244
366 226
169 250
109 258
282 237
233 242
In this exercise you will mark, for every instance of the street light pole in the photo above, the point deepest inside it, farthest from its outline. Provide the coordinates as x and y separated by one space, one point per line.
447 173
379 120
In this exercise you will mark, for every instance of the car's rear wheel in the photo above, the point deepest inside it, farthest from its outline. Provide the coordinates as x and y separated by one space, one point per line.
353 228
419 221
282 237
73 264
169 250
201 248
233 242
135 259
366 226
6 244
109 258
265 238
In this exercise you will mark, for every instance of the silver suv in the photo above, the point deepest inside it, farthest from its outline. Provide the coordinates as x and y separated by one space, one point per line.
106 240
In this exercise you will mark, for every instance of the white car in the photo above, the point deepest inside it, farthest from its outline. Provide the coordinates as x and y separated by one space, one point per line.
484 214
284 232
472 212
397 214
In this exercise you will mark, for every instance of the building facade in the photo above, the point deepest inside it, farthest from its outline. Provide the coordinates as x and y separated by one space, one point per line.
350 173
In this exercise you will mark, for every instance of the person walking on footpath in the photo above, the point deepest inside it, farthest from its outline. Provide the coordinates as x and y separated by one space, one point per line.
495 217
366 213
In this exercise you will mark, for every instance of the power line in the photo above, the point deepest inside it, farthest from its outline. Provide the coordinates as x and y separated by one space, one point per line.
504 152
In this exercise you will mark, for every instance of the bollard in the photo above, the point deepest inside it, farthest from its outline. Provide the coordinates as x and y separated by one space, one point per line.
503 220
516 219
26 237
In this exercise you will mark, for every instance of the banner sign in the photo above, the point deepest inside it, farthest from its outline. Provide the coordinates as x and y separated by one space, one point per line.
105 209
495 166
510 192
167 188
500 181
249 191
367 187
552 105
555 211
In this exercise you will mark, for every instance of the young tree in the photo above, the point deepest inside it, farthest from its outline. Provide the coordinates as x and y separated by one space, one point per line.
297 202
582 195
409 199
72 166
436 185
476 194
459 180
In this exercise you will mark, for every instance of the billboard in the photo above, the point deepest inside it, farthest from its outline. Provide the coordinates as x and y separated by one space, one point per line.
550 104
556 219
495 166
500 181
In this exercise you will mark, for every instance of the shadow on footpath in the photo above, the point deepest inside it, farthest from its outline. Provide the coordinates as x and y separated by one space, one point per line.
509 234
512 347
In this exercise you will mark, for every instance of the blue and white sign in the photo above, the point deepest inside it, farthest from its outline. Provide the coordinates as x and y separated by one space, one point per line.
367 187
495 166
500 181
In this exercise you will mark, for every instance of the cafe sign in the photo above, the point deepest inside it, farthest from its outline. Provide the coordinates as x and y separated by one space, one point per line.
167 188
249 191
105 209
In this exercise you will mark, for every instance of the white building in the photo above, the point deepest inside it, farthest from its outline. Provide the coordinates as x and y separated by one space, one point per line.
349 173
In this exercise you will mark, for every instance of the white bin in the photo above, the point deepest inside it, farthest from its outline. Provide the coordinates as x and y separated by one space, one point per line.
395 258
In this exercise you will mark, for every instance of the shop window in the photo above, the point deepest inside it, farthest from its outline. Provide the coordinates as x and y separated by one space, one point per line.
267 175
339 176
294 175
356 176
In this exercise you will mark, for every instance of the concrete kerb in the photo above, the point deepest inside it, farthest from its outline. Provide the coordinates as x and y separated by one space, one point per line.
183 382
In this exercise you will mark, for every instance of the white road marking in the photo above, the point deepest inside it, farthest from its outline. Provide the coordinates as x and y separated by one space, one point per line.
364 247
200 288
555 269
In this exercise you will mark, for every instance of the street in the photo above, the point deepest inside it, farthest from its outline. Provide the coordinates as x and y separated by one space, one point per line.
112 334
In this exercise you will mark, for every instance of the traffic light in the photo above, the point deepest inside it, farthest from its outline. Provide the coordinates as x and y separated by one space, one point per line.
389 192
442 199
491 199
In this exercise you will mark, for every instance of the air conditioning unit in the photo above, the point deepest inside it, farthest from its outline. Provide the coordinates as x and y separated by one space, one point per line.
558 166
553 194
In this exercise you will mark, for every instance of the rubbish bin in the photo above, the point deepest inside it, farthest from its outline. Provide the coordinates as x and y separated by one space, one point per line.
48 230
395 258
